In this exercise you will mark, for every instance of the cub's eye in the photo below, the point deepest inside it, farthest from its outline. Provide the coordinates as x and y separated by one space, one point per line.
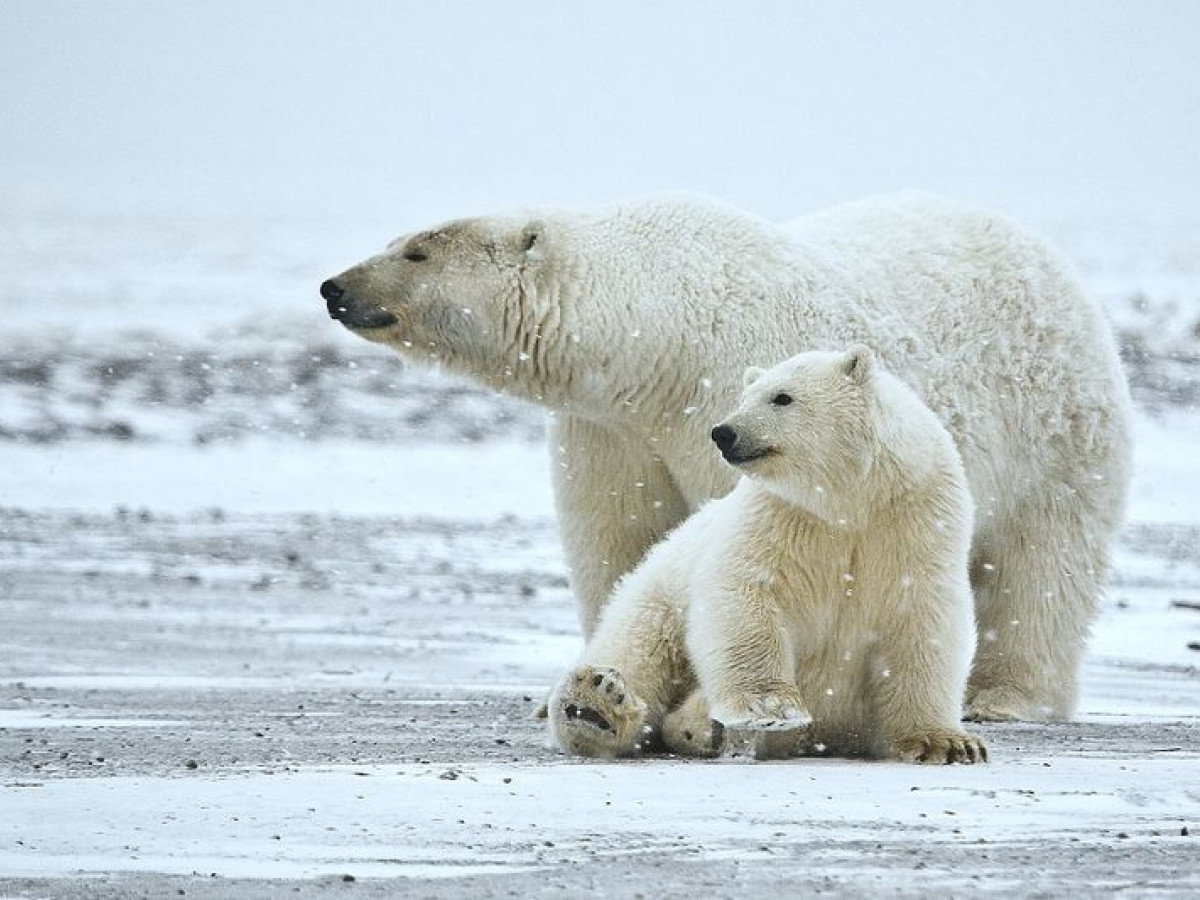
416 256
781 399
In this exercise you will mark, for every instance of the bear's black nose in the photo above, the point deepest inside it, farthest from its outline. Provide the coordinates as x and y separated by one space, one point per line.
348 310
724 437
331 291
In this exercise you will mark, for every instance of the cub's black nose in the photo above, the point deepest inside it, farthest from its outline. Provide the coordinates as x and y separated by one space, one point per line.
724 437
331 291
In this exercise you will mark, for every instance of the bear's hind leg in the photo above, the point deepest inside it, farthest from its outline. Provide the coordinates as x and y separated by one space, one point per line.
691 731
633 670
1037 586
595 713
688 730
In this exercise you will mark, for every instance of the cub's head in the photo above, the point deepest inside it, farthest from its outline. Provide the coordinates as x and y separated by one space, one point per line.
446 295
806 426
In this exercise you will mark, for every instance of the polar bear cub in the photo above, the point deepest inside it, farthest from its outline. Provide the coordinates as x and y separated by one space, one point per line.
828 593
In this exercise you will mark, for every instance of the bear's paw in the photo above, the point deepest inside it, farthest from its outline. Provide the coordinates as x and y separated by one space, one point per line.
1005 704
689 731
594 713
941 747
780 708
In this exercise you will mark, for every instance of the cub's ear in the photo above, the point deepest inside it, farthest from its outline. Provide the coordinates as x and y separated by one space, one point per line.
532 241
751 375
858 363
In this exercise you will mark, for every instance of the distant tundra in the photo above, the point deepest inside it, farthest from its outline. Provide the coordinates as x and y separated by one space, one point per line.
633 325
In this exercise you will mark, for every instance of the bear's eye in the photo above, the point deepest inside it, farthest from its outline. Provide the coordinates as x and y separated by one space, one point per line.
416 256
781 399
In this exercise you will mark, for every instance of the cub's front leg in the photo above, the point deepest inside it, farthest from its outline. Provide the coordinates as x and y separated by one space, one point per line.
920 676
744 660
938 746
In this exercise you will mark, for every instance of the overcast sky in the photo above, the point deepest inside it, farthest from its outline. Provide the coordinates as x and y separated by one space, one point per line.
455 107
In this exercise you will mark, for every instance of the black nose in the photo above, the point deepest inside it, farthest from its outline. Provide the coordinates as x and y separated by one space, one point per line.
350 311
724 437
331 291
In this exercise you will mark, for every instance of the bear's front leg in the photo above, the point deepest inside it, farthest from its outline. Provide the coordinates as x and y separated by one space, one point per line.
920 672
614 501
744 660
763 707
940 746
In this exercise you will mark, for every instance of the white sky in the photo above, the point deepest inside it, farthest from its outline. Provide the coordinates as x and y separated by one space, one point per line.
453 107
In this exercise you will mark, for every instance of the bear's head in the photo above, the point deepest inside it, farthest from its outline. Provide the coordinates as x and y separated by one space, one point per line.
447 295
806 429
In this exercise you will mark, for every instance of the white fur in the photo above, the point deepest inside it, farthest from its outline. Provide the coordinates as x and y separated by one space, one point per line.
634 324
831 583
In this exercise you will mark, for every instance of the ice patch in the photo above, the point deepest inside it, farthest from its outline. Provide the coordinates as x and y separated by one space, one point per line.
451 481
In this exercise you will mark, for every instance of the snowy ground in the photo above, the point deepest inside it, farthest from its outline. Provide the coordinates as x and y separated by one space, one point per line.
276 613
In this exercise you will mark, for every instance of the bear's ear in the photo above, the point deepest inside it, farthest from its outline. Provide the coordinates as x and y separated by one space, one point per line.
531 242
751 375
858 364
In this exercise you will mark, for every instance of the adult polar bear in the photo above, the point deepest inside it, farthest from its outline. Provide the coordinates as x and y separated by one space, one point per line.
633 325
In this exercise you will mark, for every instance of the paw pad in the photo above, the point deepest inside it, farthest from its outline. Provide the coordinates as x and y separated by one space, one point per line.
588 715
594 714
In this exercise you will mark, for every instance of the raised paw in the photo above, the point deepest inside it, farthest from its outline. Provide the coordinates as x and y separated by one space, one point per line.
940 747
778 709
593 713
688 730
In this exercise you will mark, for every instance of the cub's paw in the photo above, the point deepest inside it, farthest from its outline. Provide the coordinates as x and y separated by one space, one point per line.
1002 704
940 747
779 709
593 713
688 730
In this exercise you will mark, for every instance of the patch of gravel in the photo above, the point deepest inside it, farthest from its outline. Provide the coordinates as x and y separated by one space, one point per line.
213 648
149 388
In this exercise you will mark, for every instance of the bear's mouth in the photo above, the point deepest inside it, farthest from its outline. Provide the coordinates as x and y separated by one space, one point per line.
360 315
365 318
737 457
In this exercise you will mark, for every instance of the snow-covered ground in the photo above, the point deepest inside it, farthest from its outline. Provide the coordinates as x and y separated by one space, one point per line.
276 610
